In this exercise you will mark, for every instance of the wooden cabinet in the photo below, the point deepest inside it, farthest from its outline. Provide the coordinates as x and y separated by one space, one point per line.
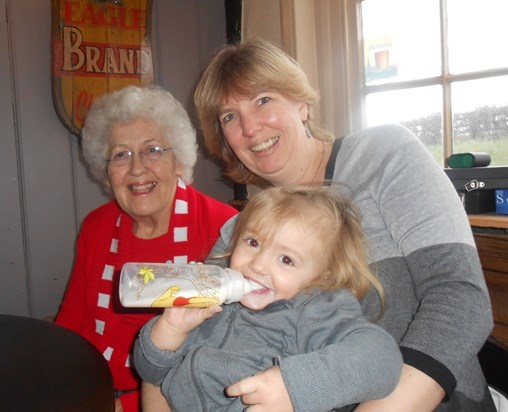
493 251
491 237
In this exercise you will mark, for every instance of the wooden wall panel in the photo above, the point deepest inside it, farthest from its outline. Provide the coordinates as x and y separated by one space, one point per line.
14 297
46 160
183 40
45 188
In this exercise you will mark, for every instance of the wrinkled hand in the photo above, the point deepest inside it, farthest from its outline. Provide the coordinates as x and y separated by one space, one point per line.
263 392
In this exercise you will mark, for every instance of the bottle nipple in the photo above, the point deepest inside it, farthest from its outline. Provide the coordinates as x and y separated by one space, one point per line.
238 286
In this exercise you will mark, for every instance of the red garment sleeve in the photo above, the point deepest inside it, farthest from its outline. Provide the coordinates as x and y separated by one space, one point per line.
92 244
72 310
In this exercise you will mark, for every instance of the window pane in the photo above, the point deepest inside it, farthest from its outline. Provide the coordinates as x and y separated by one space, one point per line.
477 33
419 109
480 117
401 40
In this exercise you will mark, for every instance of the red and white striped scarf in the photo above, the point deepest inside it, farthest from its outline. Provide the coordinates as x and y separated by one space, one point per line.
124 248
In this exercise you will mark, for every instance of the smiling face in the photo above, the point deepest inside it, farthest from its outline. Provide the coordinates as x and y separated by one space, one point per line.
267 134
284 264
143 189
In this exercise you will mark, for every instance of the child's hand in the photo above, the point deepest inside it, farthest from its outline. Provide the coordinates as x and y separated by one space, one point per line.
183 320
171 329
263 392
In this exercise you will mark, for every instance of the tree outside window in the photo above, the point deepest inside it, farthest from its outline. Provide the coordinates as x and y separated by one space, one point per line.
440 68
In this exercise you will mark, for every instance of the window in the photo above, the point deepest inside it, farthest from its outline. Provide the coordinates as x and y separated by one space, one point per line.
439 67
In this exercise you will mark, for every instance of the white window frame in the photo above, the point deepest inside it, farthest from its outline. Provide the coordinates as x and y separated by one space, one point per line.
356 74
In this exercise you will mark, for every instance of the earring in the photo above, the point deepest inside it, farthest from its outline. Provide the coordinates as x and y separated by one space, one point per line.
307 131
241 166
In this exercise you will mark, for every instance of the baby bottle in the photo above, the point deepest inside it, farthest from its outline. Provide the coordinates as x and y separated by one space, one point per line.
145 285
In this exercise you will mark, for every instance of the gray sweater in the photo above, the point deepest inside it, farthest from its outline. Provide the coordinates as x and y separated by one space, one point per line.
424 252
438 304
302 333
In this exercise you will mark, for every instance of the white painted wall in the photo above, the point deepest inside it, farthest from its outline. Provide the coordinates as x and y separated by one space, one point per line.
45 190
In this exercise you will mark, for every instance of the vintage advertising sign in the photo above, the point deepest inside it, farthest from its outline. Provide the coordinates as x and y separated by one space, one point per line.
98 46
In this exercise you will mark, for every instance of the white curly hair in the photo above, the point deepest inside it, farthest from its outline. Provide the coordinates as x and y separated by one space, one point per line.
127 105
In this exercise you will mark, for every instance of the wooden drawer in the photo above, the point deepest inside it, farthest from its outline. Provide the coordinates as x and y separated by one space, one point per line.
493 251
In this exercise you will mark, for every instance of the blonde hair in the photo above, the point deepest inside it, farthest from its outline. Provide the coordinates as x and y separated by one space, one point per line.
344 262
245 70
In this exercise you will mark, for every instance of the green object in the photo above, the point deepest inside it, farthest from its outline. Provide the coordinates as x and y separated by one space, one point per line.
463 160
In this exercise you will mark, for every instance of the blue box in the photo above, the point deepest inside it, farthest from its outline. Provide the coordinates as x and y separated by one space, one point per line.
502 201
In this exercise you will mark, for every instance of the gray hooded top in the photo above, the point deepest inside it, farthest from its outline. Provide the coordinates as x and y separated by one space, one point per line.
302 333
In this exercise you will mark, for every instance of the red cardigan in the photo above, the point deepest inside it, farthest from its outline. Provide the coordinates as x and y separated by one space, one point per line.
91 306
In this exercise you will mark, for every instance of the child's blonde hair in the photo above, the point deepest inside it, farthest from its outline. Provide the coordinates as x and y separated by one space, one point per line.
344 263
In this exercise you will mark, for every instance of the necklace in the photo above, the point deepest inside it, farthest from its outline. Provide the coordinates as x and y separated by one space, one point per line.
319 165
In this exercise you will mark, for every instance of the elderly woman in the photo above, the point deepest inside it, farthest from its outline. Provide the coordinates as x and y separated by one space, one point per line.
140 143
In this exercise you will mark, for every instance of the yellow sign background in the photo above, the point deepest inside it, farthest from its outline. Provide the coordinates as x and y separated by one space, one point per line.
98 46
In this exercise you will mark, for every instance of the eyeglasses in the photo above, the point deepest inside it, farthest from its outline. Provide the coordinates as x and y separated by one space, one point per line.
148 154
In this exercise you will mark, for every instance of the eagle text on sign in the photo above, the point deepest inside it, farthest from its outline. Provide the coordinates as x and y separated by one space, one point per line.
98 46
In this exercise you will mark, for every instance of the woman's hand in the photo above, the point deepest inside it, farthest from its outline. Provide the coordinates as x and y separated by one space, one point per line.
263 392
171 329
118 405
152 399
416 392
